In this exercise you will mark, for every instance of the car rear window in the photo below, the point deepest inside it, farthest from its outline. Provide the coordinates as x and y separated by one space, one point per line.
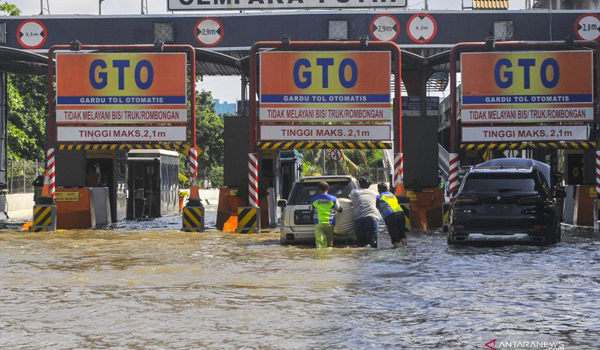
499 183
303 192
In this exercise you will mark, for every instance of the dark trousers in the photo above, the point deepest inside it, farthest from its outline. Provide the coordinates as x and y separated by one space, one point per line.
395 226
366 231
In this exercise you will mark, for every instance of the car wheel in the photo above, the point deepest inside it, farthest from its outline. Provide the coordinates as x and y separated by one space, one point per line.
282 240
550 236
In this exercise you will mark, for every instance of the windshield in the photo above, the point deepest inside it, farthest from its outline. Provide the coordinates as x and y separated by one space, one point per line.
499 183
303 192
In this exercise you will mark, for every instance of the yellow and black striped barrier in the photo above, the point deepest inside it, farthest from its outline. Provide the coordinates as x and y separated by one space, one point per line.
507 146
248 220
406 209
193 219
446 217
44 218
111 147
323 145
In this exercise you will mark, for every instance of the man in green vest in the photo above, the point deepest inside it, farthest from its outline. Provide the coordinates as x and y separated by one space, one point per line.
324 208
392 213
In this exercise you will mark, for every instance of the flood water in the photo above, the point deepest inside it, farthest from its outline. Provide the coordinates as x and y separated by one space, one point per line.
165 289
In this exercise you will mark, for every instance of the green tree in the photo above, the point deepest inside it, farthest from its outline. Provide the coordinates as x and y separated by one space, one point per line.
26 109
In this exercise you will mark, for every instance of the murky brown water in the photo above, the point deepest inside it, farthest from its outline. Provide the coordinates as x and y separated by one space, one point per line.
172 290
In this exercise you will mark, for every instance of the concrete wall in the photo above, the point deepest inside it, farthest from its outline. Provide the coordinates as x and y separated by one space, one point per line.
20 206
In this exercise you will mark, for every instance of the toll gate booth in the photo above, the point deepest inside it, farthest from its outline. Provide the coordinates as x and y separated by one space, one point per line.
95 169
153 183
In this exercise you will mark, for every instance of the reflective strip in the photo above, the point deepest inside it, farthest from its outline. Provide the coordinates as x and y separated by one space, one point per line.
248 220
398 168
323 144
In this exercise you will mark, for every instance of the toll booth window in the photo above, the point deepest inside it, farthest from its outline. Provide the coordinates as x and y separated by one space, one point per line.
303 192
499 183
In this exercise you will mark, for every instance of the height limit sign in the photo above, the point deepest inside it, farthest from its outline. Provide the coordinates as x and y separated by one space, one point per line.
587 27
421 28
209 32
385 28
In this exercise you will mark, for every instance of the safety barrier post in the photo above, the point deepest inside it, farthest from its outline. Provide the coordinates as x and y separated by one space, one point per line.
193 212
453 177
249 217
44 210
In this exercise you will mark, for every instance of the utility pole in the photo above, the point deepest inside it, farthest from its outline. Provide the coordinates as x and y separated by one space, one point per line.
144 7
100 7
426 6
47 9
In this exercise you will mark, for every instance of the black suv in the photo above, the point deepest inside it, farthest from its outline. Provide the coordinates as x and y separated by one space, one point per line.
506 201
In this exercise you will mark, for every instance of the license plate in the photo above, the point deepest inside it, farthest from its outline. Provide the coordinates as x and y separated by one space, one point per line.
499 208
303 217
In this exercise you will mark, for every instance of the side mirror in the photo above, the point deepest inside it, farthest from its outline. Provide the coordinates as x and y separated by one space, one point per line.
282 203
560 193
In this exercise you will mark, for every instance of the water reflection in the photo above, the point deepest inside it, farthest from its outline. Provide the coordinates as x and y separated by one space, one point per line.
157 289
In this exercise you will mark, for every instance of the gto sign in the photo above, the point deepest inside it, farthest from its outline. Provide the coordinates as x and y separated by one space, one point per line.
235 5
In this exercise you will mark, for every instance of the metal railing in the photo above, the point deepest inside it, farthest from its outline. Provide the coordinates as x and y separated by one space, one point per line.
443 161
21 175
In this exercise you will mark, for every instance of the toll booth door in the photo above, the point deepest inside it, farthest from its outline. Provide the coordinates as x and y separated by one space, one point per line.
144 190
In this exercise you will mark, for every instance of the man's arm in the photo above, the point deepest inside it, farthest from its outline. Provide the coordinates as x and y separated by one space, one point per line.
337 206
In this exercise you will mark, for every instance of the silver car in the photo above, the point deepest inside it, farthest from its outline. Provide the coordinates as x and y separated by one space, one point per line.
297 222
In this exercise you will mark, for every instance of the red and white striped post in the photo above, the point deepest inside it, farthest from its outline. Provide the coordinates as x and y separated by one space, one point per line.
194 192
253 179
399 174
48 191
598 173
453 177
597 200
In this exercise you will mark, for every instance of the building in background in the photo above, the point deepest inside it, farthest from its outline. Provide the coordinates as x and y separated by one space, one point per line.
225 108
566 4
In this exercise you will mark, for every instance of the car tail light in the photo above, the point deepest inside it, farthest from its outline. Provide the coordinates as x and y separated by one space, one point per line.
529 200
539 227
466 201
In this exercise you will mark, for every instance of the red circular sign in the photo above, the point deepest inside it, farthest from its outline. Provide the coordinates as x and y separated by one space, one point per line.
32 34
209 31
385 28
587 27
421 28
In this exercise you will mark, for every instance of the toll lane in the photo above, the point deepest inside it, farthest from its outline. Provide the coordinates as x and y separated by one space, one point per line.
157 289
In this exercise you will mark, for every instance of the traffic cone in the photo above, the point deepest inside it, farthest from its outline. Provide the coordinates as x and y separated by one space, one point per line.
47 196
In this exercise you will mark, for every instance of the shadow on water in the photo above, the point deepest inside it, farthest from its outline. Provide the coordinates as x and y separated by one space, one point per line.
147 285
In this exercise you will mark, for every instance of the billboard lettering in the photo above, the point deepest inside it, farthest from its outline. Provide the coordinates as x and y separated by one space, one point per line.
325 132
527 87
121 88
325 86
525 133
236 5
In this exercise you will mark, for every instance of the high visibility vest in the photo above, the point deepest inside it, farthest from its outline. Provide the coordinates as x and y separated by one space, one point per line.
388 204
324 209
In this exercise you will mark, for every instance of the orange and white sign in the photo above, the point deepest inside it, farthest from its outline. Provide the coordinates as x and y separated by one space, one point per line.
123 88
527 87
325 86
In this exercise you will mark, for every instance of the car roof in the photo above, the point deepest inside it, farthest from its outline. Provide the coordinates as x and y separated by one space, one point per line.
328 178
513 164
494 169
